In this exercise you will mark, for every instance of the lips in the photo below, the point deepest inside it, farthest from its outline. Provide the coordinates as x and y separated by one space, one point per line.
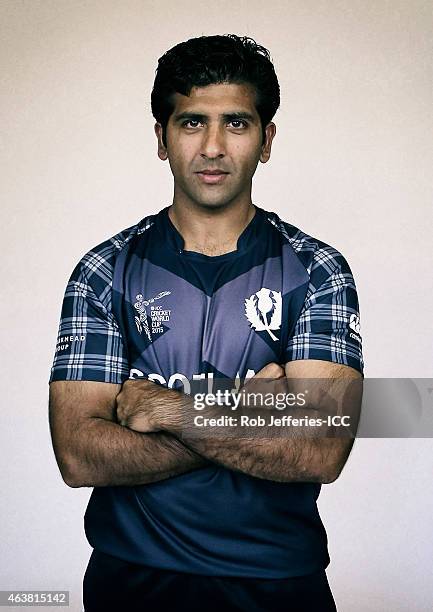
217 171
212 177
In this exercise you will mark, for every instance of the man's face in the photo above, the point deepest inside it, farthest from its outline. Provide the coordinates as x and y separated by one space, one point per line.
214 143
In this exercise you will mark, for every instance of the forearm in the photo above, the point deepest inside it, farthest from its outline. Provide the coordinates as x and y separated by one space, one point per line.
280 460
286 454
283 454
103 453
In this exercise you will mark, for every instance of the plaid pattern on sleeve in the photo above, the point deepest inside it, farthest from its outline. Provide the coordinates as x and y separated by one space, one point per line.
328 327
89 343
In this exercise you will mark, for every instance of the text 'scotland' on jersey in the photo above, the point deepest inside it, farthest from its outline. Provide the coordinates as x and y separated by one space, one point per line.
139 305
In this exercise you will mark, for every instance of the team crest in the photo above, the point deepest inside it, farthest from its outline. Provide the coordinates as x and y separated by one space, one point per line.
156 316
263 311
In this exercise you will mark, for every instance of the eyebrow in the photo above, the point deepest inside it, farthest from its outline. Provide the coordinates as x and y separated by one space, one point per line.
226 116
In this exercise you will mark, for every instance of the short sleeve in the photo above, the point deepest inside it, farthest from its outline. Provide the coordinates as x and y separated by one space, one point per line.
328 327
89 343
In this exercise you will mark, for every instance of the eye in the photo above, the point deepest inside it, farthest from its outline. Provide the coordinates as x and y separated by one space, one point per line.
190 121
240 124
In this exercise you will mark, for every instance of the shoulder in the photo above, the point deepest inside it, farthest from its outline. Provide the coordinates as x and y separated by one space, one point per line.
319 258
97 264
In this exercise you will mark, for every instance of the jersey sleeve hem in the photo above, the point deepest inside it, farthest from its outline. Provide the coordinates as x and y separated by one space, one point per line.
323 355
96 374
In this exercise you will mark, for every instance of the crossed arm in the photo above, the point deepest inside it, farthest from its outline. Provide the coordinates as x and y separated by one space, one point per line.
93 449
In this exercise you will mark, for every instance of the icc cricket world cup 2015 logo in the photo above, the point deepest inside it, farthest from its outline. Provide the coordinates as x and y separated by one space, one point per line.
140 306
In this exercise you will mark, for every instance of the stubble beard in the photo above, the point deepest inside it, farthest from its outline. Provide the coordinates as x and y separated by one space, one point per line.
204 199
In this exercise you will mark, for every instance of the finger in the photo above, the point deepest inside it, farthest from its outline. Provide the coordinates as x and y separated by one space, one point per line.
271 370
121 412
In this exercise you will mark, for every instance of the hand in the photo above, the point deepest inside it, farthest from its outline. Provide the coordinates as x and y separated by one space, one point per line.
270 379
135 409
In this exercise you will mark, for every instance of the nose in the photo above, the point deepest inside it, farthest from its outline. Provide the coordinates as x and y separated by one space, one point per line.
213 144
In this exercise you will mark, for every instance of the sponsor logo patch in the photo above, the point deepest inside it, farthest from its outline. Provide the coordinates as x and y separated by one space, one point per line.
355 325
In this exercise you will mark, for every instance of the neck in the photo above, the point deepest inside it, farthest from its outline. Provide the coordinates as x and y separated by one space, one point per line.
211 232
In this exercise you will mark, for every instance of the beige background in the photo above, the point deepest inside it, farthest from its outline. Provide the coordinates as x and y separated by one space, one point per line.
351 165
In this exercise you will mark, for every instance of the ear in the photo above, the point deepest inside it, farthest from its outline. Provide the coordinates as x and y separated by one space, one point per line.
270 131
162 150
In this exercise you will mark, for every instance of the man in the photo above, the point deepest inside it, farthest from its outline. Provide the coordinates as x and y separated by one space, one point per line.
211 288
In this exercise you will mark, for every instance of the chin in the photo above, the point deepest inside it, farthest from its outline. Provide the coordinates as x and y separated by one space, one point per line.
213 205
216 203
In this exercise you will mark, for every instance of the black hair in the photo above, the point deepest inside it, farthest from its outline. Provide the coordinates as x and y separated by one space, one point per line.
207 60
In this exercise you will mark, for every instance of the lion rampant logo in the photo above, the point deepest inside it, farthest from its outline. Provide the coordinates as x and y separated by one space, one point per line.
263 311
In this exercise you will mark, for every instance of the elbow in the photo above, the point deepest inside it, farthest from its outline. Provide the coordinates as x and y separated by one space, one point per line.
335 464
74 484
322 475
72 481
328 478
330 475
71 474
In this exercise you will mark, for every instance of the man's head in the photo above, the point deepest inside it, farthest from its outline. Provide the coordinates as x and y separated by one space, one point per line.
209 60
213 100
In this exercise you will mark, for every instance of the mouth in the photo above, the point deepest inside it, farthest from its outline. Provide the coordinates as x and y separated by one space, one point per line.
212 177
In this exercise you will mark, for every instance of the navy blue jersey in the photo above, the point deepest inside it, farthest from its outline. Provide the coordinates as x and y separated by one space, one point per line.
139 305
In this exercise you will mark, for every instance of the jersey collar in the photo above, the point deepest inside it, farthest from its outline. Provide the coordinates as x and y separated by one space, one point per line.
174 239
